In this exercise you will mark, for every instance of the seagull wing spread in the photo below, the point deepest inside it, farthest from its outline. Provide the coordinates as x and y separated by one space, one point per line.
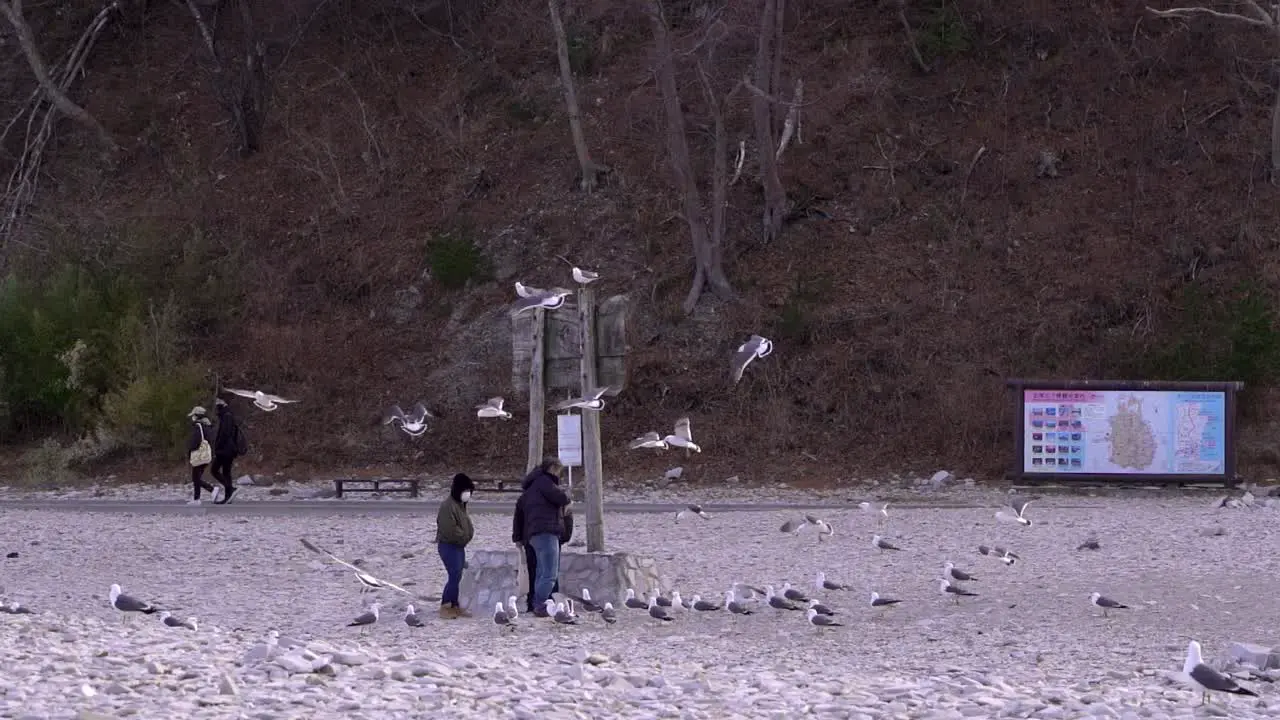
682 429
360 573
252 395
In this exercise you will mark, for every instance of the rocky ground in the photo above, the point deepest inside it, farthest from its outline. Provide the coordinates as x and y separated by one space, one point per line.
1030 646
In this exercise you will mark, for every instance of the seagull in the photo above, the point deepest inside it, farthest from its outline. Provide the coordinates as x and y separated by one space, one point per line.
559 613
1208 679
791 593
661 601
364 577
169 620
819 620
756 347
414 424
584 600
658 613
694 509
824 530
512 612
822 583
368 617
261 400
999 553
15 608
608 614
950 570
547 299
1016 515
777 601
677 601
793 526
733 606
492 408
683 437
584 277
411 617
589 401
502 618
1090 544
128 603
648 440
815 606
750 589
702 605
1106 603
946 588
633 602
867 507
526 291
882 602
880 543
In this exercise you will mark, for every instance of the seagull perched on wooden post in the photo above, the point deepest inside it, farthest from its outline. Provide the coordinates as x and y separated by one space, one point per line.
584 277
548 300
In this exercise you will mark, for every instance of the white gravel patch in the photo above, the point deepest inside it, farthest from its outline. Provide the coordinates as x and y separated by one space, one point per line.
1031 646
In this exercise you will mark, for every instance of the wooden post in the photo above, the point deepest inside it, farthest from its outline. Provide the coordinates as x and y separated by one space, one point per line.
537 390
592 462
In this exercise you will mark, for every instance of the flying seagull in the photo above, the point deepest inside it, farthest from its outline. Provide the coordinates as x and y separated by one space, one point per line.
1015 513
367 617
946 588
883 514
261 400
756 347
502 618
777 601
411 617
733 606
589 401
492 408
819 620
634 602
648 440
657 612
880 543
695 510
584 277
1208 679
364 577
949 570
822 583
683 437
526 291
130 604
547 299
703 605
1106 603
413 423
882 602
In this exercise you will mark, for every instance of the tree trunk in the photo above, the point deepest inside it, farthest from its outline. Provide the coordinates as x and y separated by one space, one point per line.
775 198
719 190
12 11
590 171
1275 137
708 267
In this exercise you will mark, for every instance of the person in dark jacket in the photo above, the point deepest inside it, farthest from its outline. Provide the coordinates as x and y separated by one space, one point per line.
543 509
530 557
226 448
453 532
199 452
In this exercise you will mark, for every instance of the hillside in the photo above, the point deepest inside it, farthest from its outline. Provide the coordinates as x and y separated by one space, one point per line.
1069 191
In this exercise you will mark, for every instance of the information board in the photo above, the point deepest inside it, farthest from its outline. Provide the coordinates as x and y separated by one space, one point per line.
1124 432
569 440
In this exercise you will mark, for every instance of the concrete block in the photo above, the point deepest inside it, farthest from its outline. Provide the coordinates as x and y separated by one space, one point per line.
492 576
1259 656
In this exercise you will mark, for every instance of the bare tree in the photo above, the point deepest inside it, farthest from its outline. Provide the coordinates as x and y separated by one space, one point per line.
242 89
768 73
12 10
1249 12
591 172
708 251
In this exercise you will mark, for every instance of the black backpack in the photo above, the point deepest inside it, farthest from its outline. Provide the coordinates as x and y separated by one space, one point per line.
242 443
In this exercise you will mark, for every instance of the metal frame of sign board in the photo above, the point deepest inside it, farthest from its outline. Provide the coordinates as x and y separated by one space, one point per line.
1227 477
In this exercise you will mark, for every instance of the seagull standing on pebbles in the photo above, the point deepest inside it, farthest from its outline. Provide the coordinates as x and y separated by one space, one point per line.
695 510
414 423
501 617
880 543
1106 603
512 611
733 606
129 604
949 570
682 437
366 618
261 400
560 613
492 408
411 617
677 601
882 602
547 299
584 277
169 620
777 601
815 606
658 613
589 401
756 347
819 620
703 605
608 614
1206 678
822 583
946 588
1015 513
791 593
634 602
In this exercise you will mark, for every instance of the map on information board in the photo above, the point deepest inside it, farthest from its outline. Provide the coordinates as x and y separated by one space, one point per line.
1124 432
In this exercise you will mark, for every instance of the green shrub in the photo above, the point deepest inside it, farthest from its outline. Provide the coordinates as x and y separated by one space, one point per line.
149 412
455 260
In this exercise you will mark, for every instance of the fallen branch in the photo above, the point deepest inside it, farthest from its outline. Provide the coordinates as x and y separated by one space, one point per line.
1262 17
911 38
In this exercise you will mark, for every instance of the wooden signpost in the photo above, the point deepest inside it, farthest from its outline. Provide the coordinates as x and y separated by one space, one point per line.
576 348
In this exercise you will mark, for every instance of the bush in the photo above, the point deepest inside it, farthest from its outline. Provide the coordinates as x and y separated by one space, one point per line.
455 260
149 412
48 466
944 34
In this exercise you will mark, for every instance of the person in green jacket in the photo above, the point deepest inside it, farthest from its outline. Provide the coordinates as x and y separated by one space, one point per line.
453 532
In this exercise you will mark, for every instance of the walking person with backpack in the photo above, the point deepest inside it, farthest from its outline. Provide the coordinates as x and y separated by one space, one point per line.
229 444
199 452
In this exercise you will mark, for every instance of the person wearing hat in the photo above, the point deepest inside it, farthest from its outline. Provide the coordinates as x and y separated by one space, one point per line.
199 451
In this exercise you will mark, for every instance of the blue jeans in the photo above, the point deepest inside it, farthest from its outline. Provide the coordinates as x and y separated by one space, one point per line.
454 557
546 549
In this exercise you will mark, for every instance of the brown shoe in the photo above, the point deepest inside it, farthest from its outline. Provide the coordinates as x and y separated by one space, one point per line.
448 612
460 613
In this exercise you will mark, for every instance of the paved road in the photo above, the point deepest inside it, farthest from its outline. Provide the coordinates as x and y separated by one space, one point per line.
400 507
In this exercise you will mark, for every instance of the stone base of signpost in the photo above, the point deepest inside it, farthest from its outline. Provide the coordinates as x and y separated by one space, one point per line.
492 576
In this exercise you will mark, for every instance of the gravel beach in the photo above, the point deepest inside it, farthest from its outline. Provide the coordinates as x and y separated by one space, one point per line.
1030 646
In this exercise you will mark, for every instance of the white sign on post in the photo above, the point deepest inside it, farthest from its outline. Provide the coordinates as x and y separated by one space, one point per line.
569 440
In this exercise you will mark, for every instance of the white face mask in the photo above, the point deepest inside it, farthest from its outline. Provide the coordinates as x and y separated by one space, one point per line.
466 496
